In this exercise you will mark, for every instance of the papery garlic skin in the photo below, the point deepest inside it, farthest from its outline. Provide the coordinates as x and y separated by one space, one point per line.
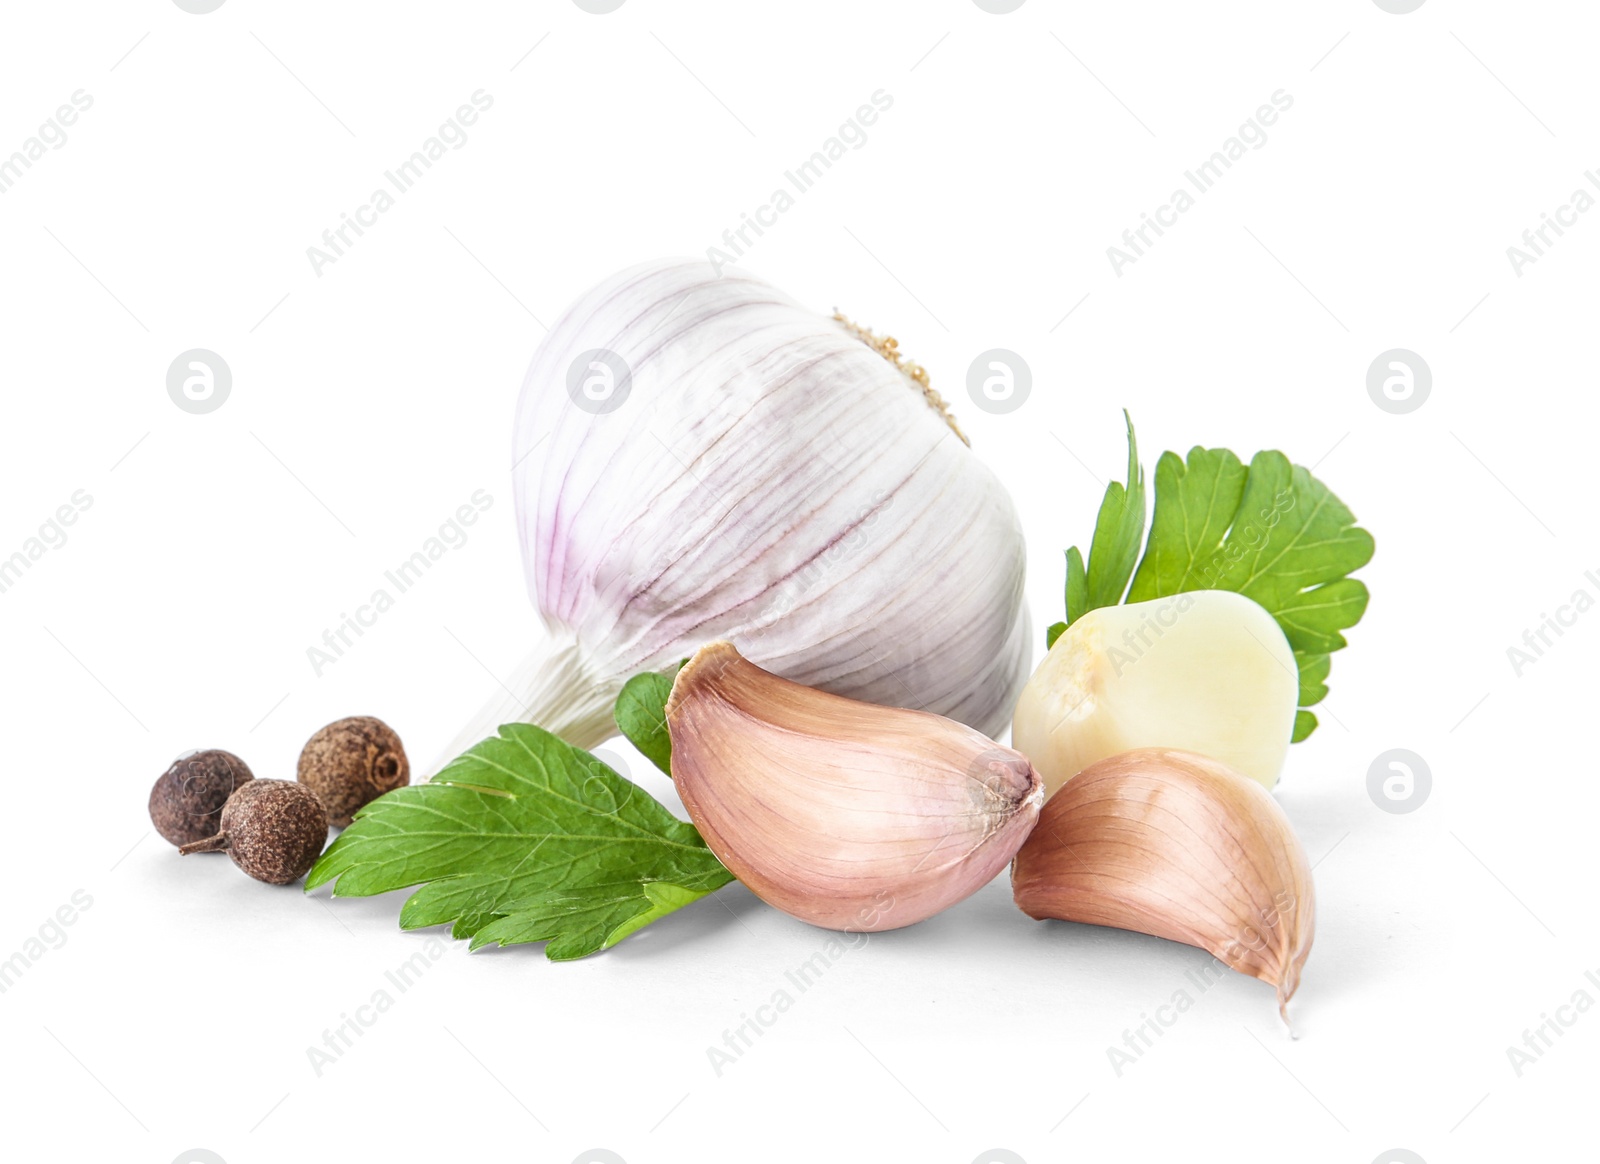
1209 671
844 814
766 478
1176 845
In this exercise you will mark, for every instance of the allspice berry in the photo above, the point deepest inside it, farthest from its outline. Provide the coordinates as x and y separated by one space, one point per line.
186 802
273 829
352 762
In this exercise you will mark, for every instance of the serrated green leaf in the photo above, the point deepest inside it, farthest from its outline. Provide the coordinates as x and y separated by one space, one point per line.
1313 618
521 817
1077 591
1304 724
579 922
1210 486
1313 677
1270 531
642 717
1118 532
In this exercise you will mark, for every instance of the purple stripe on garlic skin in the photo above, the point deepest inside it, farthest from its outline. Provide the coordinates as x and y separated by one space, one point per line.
769 480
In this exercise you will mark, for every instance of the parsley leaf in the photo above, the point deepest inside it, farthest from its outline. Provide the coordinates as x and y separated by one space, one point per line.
641 715
1270 531
580 921
1115 547
521 839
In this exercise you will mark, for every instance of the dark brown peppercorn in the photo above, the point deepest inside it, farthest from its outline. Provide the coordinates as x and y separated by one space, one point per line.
186 802
273 829
352 762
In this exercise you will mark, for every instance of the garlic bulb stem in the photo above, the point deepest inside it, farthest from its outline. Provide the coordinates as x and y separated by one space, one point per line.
554 687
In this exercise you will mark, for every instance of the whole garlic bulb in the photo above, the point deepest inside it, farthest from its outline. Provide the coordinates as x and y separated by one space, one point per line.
698 457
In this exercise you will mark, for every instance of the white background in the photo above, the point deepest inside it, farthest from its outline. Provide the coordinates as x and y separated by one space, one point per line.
368 403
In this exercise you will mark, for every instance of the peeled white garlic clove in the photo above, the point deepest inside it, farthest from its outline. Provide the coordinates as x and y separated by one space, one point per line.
1208 671
1179 846
843 814
699 457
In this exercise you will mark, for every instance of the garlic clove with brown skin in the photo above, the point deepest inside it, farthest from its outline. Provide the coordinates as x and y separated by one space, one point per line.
844 814
1177 845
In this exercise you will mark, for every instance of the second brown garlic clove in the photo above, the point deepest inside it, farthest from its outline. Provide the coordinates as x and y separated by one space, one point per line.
1173 844
846 815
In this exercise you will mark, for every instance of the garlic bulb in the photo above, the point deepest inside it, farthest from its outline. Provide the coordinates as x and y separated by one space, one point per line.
1179 846
1208 671
843 814
700 458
